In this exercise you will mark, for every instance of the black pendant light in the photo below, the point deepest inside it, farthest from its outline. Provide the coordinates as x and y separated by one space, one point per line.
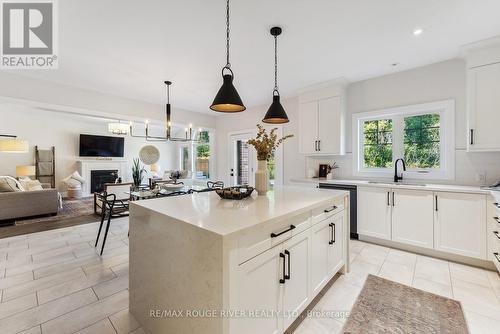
276 114
227 99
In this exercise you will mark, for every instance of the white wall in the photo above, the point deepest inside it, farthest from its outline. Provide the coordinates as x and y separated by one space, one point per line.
293 162
62 130
440 81
94 103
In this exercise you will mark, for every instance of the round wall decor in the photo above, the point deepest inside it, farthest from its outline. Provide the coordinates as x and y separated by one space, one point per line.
149 155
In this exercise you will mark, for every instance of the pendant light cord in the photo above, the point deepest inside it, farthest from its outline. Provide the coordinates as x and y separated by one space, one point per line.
228 64
276 64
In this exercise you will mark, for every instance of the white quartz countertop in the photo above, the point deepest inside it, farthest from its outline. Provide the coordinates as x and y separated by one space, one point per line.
405 185
224 217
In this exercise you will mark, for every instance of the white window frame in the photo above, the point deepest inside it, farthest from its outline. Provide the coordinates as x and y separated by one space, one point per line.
192 154
446 111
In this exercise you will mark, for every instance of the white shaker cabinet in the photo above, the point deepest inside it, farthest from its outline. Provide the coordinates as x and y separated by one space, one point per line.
460 224
412 217
484 108
308 127
374 212
331 126
336 249
320 238
296 294
322 121
261 290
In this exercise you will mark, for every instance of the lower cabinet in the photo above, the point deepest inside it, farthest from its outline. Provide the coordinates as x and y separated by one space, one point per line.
327 250
374 212
287 277
296 294
451 222
412 217
460 224
260 289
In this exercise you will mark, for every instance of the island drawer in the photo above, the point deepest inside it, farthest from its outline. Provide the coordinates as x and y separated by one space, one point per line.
258 240
494 248
326 211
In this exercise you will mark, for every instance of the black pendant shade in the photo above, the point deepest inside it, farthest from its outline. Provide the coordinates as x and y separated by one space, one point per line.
276 114
227 98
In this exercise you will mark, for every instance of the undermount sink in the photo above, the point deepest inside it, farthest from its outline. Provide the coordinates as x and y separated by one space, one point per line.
398 183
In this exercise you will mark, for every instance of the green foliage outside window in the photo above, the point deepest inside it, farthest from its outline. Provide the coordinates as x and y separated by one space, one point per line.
377 143
422 141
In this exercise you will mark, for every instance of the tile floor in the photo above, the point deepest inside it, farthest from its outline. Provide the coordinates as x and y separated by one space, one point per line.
54 282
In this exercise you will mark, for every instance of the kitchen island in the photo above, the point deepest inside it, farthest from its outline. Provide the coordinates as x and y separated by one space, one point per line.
201 264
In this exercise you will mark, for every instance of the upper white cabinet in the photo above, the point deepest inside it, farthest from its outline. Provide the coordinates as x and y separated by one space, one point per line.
308 127
484 108
322 121
483 96
460 224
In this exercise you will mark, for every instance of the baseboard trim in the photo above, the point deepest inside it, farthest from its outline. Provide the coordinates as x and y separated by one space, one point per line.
431 252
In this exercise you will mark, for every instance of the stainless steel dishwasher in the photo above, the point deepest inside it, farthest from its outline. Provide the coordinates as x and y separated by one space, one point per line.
353 204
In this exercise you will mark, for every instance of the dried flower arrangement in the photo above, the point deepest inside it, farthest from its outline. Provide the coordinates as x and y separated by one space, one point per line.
331 167
265 143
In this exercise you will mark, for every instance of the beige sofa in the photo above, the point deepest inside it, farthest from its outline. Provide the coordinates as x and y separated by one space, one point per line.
20 204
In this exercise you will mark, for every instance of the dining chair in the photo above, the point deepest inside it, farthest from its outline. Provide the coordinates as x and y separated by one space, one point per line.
121 191
113 205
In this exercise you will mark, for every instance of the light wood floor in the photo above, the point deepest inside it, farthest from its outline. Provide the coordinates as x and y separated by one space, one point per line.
54 282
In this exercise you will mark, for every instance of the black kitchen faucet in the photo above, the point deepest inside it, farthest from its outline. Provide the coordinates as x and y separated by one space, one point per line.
396 177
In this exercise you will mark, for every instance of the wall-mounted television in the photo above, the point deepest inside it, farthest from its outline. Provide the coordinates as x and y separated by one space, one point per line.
101 146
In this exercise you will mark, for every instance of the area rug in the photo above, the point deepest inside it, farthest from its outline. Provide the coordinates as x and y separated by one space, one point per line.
71 208
384 306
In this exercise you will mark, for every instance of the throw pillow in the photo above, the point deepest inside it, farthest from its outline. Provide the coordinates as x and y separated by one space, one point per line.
9 184
31 185
78 177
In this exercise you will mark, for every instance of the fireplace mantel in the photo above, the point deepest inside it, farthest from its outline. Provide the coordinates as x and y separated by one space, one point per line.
85 166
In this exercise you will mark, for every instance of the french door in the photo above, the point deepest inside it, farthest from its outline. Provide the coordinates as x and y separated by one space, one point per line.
242 160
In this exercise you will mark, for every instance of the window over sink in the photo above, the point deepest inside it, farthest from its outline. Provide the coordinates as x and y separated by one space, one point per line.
423 135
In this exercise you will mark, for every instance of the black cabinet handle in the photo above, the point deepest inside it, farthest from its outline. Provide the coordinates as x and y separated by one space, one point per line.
274 235
316 145
330 209
287 276
437 203
319 145
388 200
496 255
393 202
472 136
496 234
332 239
282 280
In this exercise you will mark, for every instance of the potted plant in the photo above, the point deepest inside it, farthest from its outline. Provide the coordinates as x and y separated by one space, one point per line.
265 144
137 173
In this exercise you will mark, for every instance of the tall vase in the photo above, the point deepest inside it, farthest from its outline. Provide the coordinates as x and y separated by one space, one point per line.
261 178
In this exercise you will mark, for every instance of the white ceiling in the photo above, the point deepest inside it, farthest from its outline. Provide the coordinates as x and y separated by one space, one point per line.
130 47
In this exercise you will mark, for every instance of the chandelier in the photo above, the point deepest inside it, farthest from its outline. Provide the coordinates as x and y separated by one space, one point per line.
118 128
168 126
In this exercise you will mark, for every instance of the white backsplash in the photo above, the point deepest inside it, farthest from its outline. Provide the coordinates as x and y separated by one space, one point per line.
467 167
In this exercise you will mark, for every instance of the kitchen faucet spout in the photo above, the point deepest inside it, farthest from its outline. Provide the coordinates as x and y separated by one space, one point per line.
398 178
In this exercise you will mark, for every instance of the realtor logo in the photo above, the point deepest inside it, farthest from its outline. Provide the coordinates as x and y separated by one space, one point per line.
29 31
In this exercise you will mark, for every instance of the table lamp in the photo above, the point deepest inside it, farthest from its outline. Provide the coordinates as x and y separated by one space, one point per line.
25 171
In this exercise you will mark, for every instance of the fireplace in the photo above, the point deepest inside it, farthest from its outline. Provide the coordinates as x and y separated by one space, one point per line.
99 177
